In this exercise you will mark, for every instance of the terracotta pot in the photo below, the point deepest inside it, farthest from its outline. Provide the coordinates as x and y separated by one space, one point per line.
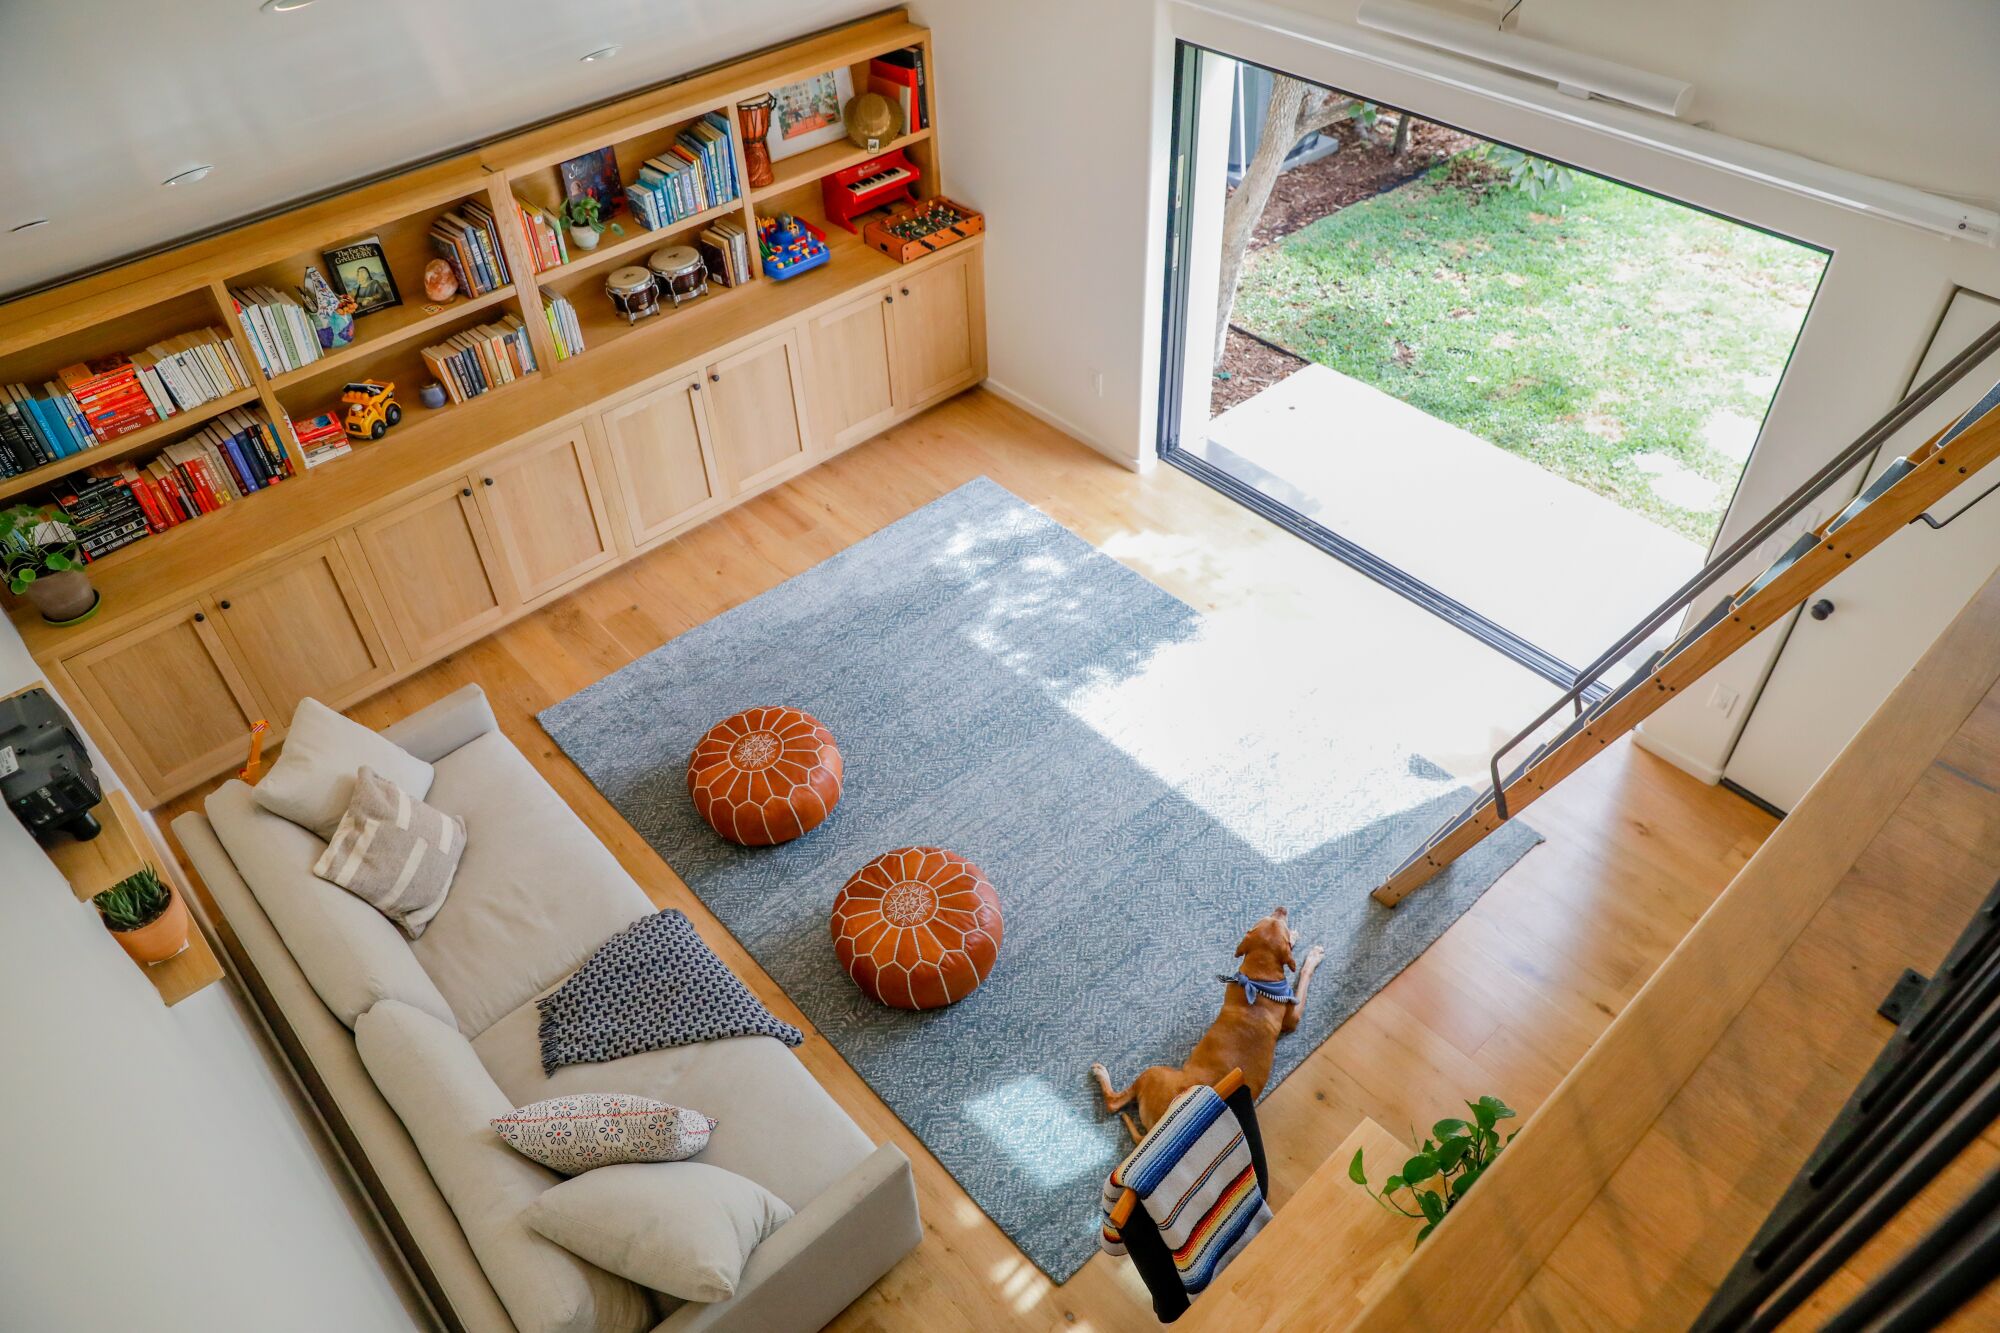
164 937
62 597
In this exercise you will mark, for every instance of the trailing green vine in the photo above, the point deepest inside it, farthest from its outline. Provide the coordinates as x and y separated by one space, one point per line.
1445 1168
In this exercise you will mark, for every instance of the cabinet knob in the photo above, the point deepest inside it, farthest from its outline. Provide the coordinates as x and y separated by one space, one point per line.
1821 609
467 491
223 605
906 291
888 300
487 480
715 377
199 616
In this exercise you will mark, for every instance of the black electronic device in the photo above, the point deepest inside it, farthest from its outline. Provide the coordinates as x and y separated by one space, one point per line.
45 773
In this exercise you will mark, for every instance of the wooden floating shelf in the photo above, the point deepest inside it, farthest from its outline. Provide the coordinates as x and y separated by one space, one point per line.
389 328
587 259
178 424
809 166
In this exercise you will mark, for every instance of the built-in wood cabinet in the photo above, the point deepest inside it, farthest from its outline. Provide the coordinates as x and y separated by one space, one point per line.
937 348
435 564
660 467
854 396
168 695
545 513
300 627
757 412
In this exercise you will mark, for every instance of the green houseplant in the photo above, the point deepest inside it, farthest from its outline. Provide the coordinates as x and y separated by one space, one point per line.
1445 1168
585 218
145 916
44 563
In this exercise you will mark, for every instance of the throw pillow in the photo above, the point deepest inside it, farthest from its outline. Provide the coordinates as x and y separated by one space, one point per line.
312 782
593 1129
394 852
683 1228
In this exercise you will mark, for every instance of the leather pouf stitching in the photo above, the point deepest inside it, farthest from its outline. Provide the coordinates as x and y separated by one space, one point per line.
765 776
917 928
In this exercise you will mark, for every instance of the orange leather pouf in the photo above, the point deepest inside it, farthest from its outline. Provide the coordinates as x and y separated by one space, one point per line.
917 928
766 775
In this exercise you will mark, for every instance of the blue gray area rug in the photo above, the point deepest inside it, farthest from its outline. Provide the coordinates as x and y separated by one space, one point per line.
1138 785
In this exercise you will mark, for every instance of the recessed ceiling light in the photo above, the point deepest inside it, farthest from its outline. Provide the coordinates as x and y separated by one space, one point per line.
188 177
283 6
29 225
601 53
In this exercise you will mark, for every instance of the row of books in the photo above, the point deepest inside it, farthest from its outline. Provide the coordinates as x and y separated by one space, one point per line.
179 374
899 76
35 432
111 505
481 358
563 324
546 235
469 240
282 336
695 174
725 248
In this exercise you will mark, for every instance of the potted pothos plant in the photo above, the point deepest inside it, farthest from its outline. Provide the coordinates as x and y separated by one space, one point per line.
145 916
43 562
586 222
1448 1165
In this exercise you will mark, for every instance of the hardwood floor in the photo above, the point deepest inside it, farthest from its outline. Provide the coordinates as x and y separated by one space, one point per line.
1504 1003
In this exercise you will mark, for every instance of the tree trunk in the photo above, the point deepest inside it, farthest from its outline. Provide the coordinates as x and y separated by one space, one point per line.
1402 135
1296 110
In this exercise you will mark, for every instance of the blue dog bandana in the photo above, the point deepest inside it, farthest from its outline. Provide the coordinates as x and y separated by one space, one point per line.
1280 990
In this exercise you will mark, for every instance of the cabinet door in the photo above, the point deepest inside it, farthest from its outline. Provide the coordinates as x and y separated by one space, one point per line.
662 468
168 695
936 330
851 356
545 513
756 407
435 567
300 627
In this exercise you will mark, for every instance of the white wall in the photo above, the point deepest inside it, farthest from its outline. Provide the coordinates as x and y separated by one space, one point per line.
155 1171
1051 111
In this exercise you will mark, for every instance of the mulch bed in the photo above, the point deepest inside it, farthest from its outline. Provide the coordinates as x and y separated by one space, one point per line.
1361 169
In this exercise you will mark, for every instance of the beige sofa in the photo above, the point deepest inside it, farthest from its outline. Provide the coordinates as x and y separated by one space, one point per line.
533 897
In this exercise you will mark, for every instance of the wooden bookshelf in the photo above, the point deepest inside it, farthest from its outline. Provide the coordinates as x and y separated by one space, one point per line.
155 436
440 480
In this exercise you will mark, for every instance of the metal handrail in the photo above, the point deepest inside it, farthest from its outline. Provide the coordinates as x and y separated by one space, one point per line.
1919 398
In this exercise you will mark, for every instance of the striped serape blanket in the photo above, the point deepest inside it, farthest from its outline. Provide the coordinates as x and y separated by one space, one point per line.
1195 1182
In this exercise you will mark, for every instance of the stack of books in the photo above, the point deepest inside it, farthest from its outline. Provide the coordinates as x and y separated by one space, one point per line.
111 397
469 240
694 175
281 335
321 438
115 504
35 432
563 325
546 236
481 358
725 249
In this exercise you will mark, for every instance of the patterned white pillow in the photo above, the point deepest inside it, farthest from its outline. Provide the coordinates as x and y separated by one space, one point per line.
573 1134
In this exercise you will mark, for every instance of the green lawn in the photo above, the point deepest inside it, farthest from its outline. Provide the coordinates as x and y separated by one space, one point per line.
1602 333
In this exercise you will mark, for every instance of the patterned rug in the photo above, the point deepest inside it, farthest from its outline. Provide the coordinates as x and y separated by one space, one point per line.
1138 785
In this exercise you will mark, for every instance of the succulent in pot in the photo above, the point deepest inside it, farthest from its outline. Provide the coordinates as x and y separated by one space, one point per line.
586 226
43 562
145 916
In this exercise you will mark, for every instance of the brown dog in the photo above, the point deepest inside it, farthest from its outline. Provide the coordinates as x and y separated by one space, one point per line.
1244 1035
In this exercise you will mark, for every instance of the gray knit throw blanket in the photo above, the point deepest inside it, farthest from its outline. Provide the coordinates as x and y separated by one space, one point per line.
650 986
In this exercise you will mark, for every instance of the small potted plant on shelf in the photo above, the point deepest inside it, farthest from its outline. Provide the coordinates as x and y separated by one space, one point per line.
586 225
43 562
145 916
1445 1168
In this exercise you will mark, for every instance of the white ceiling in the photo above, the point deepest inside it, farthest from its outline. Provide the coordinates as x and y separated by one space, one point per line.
102 100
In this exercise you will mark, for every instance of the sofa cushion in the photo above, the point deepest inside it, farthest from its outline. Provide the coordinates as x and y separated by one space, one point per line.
571 1135
446 1100
682 1228
774 1123
313 781
535 894
351 953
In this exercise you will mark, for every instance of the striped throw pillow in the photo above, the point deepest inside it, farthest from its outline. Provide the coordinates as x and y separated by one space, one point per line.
394 852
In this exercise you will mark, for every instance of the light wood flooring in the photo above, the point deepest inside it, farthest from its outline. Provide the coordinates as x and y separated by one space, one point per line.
1504 1003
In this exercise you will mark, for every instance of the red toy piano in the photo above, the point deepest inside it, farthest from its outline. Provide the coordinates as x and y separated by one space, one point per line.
854 190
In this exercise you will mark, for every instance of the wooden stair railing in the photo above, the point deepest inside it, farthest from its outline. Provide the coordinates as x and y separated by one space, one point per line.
1903 494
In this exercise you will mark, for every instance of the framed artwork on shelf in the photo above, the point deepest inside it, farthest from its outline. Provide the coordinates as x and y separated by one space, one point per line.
594 174
808 113
360 271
